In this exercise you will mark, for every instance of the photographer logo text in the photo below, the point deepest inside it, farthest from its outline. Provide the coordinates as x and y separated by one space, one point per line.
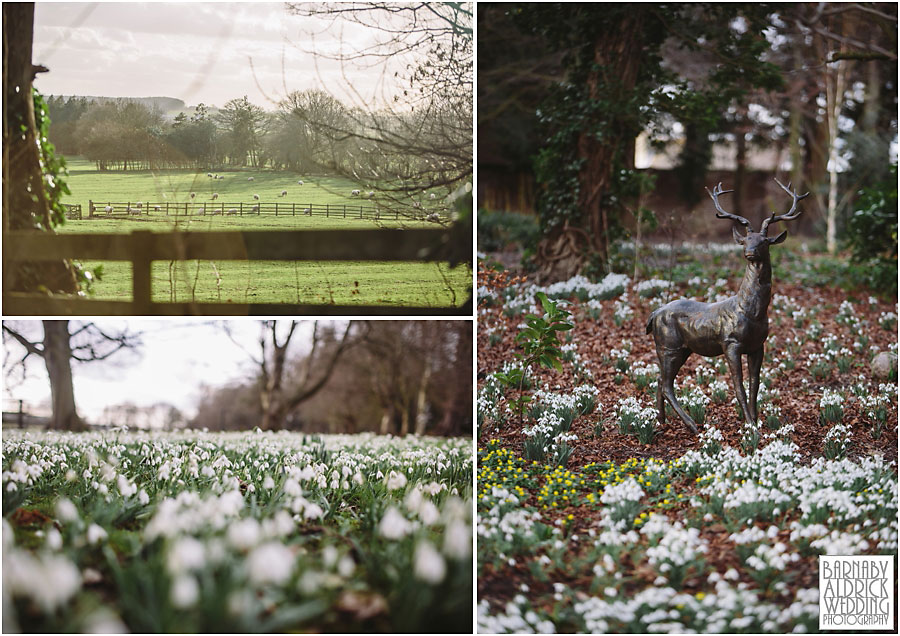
856 592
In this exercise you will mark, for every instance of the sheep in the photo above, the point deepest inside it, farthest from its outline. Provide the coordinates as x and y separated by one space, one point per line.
109 209
249 178
201 211
284 193
134 211
209 174
255 208
217 211
157 208
193 195
232 211
416 204
220 177
215 196
370 194
354 193
433 217
431 196
300 182
307 211
256 197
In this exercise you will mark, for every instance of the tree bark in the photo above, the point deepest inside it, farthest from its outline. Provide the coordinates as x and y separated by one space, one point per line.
25 203
564 252
57 358
420 401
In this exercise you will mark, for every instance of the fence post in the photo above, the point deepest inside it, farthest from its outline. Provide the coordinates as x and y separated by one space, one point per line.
345 210
140 271
293 209
241 208
276 208
90 209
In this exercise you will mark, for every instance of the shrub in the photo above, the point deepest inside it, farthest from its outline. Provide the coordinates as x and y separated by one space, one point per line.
497 230
871 233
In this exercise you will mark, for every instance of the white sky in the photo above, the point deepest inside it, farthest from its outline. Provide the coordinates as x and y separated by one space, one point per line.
176 359
200 52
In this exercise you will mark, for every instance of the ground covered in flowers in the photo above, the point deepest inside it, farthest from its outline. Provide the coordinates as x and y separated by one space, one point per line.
235 532
592 517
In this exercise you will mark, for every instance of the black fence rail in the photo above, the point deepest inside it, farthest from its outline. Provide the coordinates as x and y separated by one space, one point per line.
113 209
142 247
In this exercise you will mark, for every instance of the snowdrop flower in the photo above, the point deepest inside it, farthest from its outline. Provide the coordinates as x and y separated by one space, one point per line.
186 553
50 580
428 565
313 511
143 497
185 591
457 540
396 481
270 563
54 539
244 534
104 621
346 566
393 525
126 488
66 510
292 488
96 534
268 483
428 513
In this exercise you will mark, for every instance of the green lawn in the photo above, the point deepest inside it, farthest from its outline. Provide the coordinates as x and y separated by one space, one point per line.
416 284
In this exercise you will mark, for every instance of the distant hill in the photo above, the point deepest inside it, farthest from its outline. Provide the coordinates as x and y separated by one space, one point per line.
168 106
165 104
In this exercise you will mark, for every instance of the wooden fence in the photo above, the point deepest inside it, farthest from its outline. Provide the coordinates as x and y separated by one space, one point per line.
143 247
97 210
73 210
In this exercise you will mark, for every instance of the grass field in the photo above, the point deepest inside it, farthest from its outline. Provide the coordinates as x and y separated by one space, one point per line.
415 284
176 186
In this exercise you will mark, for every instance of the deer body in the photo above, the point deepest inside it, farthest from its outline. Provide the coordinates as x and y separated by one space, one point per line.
736 326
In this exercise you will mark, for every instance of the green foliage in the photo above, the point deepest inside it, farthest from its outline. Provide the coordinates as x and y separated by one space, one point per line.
596 104
539 338
496 230
53 166
871 234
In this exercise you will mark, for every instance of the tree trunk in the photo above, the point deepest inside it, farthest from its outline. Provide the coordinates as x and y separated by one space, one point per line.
834 103
740 173
25 204
57 358
566 249
421 416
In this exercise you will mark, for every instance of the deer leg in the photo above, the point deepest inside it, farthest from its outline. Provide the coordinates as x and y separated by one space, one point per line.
672 361
733 356
754 364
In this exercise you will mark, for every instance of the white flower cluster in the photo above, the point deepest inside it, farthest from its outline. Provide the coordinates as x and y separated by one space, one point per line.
678 546
775 557
652 287
622 312
831 398
627 490
517 619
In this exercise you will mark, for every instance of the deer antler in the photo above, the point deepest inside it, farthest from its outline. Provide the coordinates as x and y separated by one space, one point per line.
790 215
722 214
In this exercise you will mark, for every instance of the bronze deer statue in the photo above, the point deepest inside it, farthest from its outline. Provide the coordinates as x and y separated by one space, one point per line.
735 326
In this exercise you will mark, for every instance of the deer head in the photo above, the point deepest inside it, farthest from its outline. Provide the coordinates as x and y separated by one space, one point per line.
756 244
